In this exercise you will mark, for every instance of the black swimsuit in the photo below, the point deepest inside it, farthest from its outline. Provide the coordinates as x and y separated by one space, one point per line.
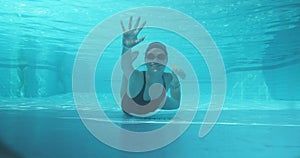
128 103
139 99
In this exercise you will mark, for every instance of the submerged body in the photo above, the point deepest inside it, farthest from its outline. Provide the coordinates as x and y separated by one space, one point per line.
150 87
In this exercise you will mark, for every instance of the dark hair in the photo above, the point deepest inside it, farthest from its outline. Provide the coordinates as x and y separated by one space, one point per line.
157 45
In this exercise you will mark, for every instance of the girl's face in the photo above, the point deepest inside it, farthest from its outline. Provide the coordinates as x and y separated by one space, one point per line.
156 59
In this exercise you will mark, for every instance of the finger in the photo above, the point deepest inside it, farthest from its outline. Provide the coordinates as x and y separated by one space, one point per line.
182 74
122 25
130 23
137 22
140 40
178 71
142 26
174 67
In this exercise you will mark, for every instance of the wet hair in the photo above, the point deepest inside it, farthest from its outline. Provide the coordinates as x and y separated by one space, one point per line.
157 45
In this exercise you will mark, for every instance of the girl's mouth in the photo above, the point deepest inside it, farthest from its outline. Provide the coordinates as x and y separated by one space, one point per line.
155 66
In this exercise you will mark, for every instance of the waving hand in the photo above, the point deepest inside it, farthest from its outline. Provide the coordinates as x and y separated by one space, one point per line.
130 35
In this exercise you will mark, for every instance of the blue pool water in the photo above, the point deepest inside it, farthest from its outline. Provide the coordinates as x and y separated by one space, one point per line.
257 40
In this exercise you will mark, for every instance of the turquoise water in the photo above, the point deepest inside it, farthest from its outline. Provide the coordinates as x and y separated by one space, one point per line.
258 42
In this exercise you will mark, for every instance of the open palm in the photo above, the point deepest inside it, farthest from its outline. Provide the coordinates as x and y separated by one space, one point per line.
130 35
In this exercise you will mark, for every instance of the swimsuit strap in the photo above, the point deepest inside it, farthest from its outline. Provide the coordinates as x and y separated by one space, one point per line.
140 97
164 81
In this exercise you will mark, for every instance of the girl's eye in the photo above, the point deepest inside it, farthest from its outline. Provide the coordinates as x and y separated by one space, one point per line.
161 57
150 56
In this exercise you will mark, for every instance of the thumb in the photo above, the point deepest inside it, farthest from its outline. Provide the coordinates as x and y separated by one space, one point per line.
140 40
